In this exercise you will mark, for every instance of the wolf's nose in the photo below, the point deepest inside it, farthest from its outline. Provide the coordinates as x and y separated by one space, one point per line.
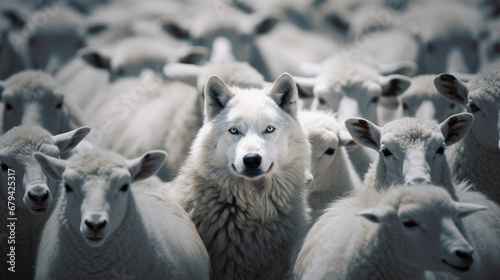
252 160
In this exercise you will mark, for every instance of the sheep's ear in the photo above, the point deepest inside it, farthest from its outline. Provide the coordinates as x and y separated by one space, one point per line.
176 31
456 127
217 94
405 67
284 92
377 214
187 73
53 167
67 141
16 18
364 132
95 58
305 86
394 85
146 165
345 139
452 88
195 56
465 209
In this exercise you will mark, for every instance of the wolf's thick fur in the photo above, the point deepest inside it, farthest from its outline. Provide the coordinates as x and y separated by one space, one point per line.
249 220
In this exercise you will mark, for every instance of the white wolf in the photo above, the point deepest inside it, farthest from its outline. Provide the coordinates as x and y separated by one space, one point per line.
243 183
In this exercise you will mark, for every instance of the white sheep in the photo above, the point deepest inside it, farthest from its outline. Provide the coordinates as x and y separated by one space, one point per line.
148 113
32 192
410 150
397 233
106 223
33 97
422 100
476 157
333 172
243 183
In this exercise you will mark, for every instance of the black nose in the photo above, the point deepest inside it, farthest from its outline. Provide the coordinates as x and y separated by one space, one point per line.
39 195
465 256
95 226
252 161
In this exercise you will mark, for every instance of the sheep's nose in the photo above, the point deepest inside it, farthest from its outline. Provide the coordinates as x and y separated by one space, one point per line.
252 160
38 194
95 226
466 257
418 180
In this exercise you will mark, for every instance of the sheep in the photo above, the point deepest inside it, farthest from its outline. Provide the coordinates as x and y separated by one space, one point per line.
148 113
410 150
353 89
489 46
33 97
106 221
422 100
332 170
476 157
396 233
243 183
12 19
32 192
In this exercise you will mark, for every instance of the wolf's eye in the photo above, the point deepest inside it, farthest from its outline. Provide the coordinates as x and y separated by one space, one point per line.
233 130
4 166
270 129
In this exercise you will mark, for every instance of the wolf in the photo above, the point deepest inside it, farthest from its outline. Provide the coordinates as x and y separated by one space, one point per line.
244 180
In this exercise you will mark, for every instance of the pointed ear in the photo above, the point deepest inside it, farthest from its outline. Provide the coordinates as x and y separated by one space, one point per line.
377 214
345 139
284 92
465 209
95 58
456 127
394 85
305 86
67 141
52 167
197 55
452 88
404 67
364 132
217 94
146 165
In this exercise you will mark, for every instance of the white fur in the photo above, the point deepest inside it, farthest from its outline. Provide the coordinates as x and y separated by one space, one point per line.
249 216
34 193
334 174
33 97
389 234
476 157
105 223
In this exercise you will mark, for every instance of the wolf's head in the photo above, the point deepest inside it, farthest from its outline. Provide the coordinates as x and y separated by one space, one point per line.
252 133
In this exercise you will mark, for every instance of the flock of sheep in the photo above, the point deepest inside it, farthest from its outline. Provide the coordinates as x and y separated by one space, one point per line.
225 139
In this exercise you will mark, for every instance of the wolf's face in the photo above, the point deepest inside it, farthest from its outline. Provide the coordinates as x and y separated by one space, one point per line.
252 128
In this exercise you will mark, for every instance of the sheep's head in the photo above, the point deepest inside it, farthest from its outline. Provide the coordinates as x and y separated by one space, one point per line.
31 98
21 171
97 188
481 97
411 151
426 218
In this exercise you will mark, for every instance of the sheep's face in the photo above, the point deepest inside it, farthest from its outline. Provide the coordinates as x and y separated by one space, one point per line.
485 107
252 133
32 105
425 219
96 205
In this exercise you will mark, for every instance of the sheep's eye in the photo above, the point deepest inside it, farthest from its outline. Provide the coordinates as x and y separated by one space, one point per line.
386 152
4 166
473 107
441 150
59 105
452 106
405 106
233 130
270 129
120 72
410 224
67 188
431 47
330 151
374 99
8 106
124 188
321 101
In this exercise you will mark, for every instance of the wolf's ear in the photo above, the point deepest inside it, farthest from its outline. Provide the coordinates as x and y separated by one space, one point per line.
285 93
217 94
452 88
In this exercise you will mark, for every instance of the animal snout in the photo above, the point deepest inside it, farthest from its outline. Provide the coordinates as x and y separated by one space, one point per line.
96 226
38 194
418 180
252 160
464 256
